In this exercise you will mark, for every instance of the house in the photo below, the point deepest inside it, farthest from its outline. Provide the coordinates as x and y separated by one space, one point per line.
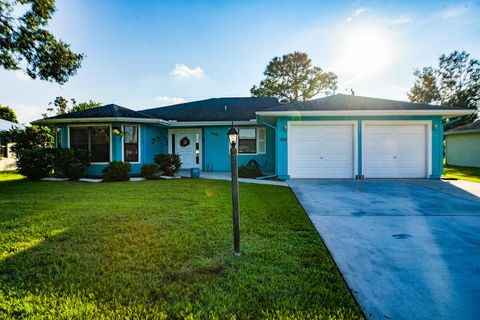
339 136
7 158
462 145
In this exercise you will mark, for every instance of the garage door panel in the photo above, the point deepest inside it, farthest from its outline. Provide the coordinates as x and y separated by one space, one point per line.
395 151
321 151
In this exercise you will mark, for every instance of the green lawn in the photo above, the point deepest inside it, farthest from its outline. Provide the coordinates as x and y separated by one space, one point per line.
9 175
162 249
462 173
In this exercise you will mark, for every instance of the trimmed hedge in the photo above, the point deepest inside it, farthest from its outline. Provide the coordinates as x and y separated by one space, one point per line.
169 163
71 163
150 171
117 171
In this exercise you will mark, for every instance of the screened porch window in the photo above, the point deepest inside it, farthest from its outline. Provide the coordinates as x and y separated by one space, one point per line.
94 139
130 144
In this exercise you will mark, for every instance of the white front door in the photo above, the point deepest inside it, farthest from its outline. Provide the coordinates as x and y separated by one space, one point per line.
187 144
395 149
321 150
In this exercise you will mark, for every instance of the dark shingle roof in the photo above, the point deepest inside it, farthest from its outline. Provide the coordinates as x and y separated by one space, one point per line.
349 102
215 109
108 111
467 127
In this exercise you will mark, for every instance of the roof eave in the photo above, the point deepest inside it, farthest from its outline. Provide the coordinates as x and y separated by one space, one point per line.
99 119
448 133
346 113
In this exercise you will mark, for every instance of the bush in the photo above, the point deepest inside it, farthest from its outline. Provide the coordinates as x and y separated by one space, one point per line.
169 163
35 164
150 171
71 163
32 148
117 171
249 171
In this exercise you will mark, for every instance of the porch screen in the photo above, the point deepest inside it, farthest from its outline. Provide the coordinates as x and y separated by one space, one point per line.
94 139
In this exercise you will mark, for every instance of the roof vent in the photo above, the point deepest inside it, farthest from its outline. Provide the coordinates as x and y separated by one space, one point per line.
283 100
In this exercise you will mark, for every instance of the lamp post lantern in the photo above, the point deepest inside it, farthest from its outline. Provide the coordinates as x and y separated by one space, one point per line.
233 139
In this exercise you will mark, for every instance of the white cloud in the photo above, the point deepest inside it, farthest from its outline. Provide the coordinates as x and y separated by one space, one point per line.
183 71
452 12
165 101
356 13
21 75
399 21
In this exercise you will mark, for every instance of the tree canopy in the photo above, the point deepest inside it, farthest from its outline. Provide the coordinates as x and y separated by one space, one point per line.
62 106
294 77
26 44
7 113
455 82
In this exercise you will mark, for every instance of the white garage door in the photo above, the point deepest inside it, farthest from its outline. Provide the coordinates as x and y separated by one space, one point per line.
395 150
321 151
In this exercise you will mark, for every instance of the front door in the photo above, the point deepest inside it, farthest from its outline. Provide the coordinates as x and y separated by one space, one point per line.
187 144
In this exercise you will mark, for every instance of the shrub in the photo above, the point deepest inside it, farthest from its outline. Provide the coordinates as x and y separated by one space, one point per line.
71 163
249 171
150 171
169 163
32 148
35 164
117 171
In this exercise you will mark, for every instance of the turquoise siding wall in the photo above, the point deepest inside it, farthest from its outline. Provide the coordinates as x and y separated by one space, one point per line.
216 150
282 143
463 149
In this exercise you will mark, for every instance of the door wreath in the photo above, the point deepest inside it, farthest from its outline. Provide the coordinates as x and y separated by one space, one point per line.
184 142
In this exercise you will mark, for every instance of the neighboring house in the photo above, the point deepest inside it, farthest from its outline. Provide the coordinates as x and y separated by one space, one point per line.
339 136
7 158
462 145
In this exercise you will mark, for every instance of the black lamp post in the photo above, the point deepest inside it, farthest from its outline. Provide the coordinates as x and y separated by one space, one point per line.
233 139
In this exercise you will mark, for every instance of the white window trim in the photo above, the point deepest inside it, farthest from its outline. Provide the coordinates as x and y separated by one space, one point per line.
426 123
353 123
256 153
92 125
139 143
264 140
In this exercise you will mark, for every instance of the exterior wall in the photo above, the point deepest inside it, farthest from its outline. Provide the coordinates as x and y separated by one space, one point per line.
463 149
282 141
153 140
216 151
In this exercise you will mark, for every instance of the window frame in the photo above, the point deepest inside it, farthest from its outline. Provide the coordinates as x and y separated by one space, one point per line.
257 141
138 142
94 125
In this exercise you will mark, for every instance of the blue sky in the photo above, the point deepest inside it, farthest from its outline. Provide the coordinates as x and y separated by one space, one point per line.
142 54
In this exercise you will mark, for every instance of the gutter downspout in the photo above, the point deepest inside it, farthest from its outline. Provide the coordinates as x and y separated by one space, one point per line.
452 121
275 130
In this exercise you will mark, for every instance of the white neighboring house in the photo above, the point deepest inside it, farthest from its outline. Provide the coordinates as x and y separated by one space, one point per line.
7 157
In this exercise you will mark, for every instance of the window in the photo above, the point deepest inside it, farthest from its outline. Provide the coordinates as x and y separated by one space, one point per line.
58 138
94 139
3 147
130 144
252 140
197 148
247 140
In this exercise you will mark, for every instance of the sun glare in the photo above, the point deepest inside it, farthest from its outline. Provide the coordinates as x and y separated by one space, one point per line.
364 51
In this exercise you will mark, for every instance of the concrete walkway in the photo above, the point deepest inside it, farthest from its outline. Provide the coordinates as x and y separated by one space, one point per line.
408 249
226 176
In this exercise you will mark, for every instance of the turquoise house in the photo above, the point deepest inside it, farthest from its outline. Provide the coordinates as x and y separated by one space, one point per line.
339 136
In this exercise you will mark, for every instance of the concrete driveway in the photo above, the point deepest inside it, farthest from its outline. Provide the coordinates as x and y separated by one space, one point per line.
408 249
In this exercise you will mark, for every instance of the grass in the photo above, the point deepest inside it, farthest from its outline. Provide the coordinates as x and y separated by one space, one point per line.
462 173
10 175
162 249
